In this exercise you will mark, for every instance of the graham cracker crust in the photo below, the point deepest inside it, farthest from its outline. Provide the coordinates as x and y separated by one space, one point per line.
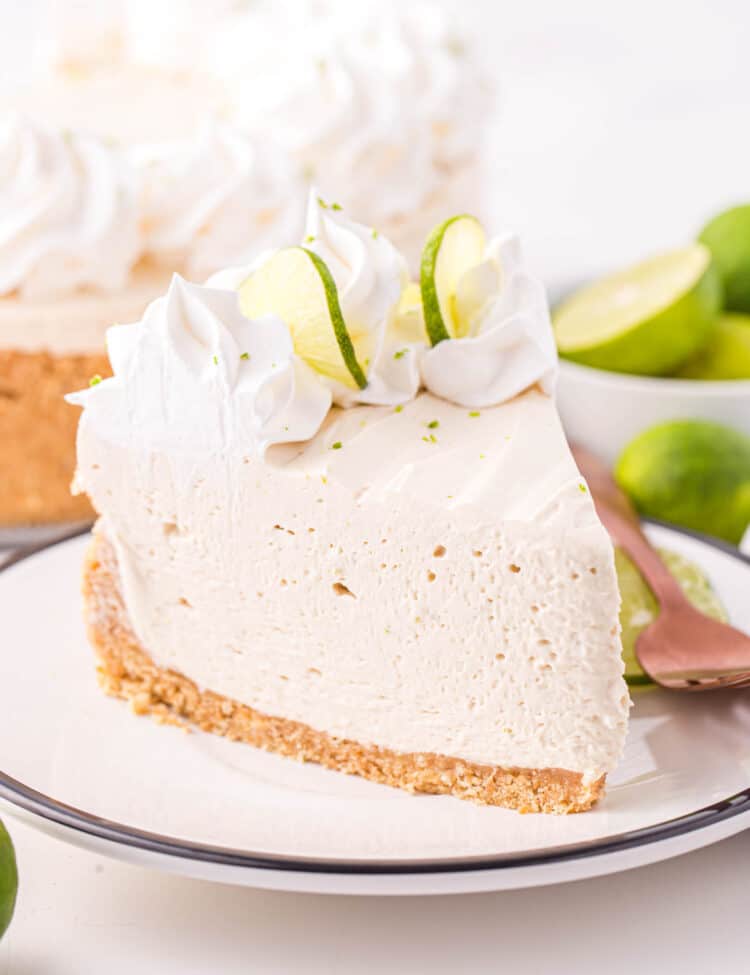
127 671
38 433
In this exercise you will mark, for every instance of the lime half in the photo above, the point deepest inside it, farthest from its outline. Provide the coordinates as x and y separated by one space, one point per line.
727 236
296 285
452 249
639 607
8 880
647 319
727 355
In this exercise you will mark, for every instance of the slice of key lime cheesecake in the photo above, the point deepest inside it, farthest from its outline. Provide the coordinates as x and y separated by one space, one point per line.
339 521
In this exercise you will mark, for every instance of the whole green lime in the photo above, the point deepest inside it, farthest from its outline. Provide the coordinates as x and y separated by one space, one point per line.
727 236
691 473
8 880
647 319
727 355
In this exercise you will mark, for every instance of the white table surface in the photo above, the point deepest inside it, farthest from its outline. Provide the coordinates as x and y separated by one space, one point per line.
624 127
78 914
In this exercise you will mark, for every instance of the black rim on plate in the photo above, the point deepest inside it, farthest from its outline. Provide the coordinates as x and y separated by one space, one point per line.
49 809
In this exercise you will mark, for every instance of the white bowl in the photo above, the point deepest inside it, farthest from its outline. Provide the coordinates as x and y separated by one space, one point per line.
605 410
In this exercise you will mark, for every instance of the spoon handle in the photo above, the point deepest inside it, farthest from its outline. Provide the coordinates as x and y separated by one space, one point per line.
630 537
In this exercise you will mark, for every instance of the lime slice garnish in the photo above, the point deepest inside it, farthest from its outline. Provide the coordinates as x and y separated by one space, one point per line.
647 319
8 880
409 317
639 607
296 285
472 293
727 236
452 249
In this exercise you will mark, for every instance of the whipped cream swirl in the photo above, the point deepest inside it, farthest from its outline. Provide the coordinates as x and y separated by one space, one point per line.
217 200
367 95
196 375
68 216
510 345
370 275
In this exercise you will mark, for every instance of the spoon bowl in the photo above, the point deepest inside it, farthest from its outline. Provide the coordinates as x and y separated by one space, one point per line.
681 649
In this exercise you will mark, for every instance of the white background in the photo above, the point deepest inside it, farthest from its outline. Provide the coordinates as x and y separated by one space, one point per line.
624 125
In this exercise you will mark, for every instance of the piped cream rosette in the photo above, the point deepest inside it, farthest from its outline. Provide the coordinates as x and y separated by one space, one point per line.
258 355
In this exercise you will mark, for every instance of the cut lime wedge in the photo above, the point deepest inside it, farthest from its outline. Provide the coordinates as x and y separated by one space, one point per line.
647 319
452 249
639 607
296 285
727 355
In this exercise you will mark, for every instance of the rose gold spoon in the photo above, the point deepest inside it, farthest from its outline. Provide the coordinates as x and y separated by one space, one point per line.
682 649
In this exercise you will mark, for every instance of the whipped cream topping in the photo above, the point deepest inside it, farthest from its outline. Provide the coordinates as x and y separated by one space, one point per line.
366 95
372 94
197 376
216 200
76 35
510 345
68 217
197 367
370 276
170 34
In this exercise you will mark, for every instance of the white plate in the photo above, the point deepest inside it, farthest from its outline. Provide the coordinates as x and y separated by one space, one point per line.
80 765
24 536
